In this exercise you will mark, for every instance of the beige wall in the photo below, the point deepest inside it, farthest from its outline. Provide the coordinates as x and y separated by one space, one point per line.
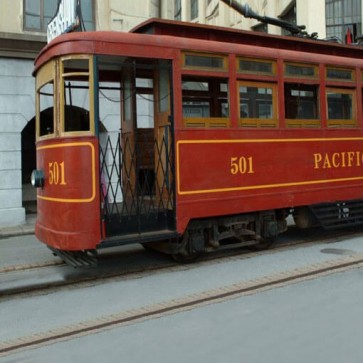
123 15
11 18
311 13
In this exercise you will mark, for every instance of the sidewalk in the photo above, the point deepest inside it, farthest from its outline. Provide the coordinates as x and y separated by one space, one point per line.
22 229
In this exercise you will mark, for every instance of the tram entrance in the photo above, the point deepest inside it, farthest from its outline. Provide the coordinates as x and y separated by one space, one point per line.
136 151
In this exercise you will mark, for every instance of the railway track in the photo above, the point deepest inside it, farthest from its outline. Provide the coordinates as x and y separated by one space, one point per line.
186 303
38 278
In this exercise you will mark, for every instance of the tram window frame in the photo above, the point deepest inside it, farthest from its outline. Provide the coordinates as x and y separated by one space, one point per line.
301 66
85 124
297 103
342 122
257 122
209 100
340 69
205 67
254 63
45 76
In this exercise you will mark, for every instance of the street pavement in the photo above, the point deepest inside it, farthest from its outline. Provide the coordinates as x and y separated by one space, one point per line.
316 320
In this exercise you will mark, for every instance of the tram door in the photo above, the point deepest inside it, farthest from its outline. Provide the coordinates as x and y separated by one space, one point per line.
144 201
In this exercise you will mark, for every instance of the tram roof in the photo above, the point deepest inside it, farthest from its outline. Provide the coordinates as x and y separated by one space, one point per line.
164 34
232 35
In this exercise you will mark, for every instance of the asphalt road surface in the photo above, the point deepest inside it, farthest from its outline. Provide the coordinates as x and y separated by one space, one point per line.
318 320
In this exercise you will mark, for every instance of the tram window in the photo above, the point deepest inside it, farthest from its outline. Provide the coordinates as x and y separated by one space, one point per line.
202 61
76 105
300 70
205 102
75 65
257 105
338 74
76 95
301 103
341 112
46 114
253 66
164 91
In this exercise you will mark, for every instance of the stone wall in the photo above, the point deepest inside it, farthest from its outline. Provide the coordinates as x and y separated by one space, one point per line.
17 108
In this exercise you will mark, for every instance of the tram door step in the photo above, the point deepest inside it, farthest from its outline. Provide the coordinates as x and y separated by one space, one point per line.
138 238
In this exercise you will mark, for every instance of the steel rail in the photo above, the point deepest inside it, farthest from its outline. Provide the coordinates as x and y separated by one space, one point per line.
105 276
182 304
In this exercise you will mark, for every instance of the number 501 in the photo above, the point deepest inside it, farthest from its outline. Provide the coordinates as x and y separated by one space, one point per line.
56 173
241 165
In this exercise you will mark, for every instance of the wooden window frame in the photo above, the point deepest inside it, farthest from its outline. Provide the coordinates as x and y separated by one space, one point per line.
224 68
292 76
342 123
349 81
292 123
211 121
257 60
45 75
62 77
254 123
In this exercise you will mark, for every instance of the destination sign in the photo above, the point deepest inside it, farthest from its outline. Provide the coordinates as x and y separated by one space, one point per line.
65 20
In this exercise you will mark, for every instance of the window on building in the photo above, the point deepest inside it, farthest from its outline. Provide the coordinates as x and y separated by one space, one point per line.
212 9
290 16
193 9
177 9
261 28
343 19
38 13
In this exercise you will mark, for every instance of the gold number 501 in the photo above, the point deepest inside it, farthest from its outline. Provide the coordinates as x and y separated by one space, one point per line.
56 173
241 165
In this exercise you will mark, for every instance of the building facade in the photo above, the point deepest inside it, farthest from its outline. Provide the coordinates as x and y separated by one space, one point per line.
23 26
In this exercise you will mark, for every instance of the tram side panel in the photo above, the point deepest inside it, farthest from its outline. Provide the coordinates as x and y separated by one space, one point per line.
68 204
218 177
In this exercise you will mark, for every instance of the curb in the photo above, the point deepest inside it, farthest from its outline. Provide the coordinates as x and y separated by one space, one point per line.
27 228
21 230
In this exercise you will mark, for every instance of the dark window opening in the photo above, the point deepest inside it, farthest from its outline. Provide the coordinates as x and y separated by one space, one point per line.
339 74
257 102
340 106
46 103
301 102
203 61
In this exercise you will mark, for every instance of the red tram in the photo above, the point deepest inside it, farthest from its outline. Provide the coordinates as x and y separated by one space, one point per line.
182 136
